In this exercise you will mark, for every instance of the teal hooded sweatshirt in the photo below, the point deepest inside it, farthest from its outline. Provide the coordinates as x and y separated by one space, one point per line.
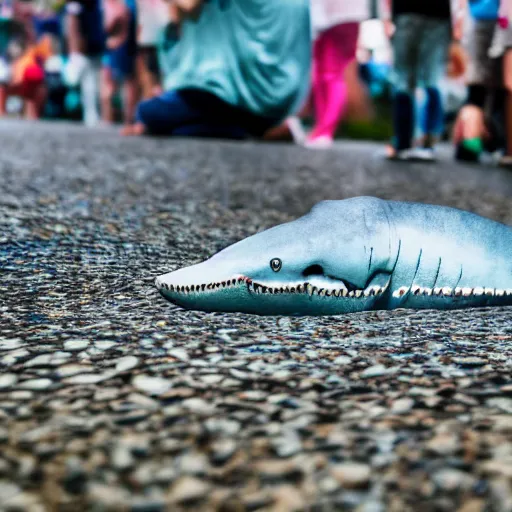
253 54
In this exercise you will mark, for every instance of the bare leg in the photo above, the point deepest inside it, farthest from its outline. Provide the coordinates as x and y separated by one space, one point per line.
131 95
470 124
3 100
34 104
108 88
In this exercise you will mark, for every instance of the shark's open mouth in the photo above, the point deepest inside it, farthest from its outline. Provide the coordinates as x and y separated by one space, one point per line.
342 290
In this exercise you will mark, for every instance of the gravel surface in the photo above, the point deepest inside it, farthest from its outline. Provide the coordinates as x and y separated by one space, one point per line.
113 399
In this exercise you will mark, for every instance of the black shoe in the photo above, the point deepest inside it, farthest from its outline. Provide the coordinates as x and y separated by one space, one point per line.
463 154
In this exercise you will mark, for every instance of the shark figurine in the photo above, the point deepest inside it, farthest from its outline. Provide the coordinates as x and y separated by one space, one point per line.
355 255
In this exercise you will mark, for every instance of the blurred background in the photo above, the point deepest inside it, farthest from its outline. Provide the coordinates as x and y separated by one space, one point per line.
95 60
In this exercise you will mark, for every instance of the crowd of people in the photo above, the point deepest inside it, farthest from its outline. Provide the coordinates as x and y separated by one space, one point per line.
240 68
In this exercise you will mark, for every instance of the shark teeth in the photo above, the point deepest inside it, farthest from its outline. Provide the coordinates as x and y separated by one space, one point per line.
373 290
258 288
416 290
446 291
400 292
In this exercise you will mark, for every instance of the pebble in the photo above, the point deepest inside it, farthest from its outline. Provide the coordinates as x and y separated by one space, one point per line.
198 406
88 378
342 361
498 467
103 346
222 450
469 361
69 370
107 497
151 385
4 435
352 475
36 384
288 445
121 457
75 478
402 405
188 489
375 371
179 353
453 480
504 404
126 363
444 444
196 464
223 427
76 345
11 344
7 380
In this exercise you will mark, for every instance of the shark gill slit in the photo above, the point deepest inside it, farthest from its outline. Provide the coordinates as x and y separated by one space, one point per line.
397 256
458 280
437 273
418 263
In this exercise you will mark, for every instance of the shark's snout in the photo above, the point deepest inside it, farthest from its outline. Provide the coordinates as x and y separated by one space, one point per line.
201 287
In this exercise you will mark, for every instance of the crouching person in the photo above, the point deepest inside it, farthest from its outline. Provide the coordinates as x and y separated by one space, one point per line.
235 72
25 79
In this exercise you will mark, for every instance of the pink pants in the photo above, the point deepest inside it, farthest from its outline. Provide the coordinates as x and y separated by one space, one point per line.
333 50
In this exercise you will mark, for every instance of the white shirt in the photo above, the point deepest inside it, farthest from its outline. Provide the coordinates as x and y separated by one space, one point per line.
153 16
328 13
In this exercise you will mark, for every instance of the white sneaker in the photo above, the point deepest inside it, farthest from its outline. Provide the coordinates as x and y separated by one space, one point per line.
402 155
423 154
322 142
296 129
74 69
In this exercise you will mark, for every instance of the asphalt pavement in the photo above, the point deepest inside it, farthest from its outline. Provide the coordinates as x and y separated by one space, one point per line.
113 399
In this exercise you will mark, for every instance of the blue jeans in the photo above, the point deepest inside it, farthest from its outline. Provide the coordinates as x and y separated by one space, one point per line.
196 113
420 48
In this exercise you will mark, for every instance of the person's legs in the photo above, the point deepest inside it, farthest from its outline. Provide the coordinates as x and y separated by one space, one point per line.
130 98
34 103
122 63
433 57
148 71
507 79
107 90
469 128
3 99
317 92
33 91
89 85
163 114
337 50
406 39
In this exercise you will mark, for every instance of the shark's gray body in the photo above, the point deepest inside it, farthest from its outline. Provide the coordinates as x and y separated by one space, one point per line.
355 255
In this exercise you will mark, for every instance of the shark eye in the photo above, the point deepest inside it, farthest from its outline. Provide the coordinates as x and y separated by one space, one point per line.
276 264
